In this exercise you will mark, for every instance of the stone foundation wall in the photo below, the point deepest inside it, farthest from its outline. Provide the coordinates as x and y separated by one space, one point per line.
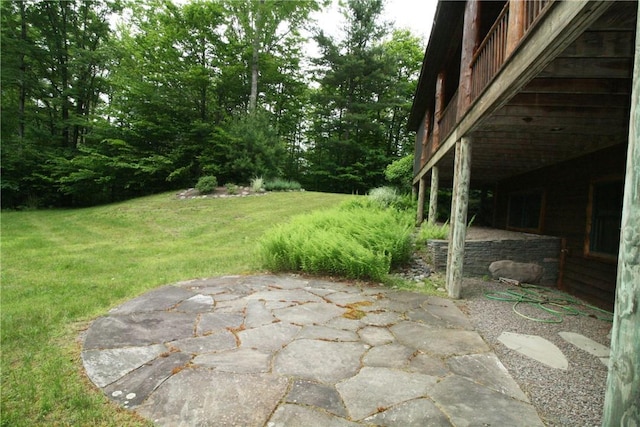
479 254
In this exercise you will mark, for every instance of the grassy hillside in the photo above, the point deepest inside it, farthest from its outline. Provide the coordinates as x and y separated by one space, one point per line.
61 269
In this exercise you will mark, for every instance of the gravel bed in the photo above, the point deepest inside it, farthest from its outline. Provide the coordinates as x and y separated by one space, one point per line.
574 397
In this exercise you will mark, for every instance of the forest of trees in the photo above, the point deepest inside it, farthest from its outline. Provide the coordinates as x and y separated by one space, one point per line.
104 100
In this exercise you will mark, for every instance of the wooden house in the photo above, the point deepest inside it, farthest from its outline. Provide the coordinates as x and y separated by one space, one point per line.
530 100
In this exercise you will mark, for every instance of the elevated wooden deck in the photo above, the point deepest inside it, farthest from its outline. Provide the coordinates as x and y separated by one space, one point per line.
559 91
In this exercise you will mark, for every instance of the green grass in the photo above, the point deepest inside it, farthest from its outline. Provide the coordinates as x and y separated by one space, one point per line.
63 268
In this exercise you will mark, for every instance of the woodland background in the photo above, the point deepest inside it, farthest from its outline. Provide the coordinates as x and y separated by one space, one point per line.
106 100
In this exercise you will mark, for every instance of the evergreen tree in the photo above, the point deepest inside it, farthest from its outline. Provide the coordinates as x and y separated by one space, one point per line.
363 98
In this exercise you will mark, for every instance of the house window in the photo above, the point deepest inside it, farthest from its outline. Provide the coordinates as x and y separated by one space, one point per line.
606 214
525 210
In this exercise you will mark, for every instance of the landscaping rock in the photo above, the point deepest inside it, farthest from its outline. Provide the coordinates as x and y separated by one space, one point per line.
520 271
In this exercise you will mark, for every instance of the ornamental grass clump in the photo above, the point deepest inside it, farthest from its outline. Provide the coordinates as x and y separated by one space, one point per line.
384 196
257 184
279 184
352 242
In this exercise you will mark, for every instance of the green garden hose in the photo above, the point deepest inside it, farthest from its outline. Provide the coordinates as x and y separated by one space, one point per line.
555 303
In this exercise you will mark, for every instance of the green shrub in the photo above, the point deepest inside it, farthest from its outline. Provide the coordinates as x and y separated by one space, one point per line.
353 242
257 184
207 184
231 188
399 173
279 184
430 231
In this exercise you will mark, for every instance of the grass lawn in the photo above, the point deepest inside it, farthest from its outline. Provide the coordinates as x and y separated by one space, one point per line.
62 268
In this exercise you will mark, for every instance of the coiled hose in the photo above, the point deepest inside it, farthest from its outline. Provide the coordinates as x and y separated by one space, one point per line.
555 303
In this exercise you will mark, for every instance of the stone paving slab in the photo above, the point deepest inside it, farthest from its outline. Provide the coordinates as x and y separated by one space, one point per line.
535 347
273 351
469 403
415 413
586 344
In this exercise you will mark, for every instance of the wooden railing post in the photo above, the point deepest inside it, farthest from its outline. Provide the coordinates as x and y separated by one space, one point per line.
470 42
516 24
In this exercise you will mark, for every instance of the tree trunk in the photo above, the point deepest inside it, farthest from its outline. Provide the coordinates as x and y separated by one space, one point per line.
64 75
253 97
23 72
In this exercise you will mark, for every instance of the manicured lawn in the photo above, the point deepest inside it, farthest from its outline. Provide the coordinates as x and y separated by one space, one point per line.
61 269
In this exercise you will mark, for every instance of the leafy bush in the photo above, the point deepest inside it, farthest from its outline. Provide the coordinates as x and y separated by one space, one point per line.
352 241
257 184
231 188
406 202
399 173
430 231
279 184
207 184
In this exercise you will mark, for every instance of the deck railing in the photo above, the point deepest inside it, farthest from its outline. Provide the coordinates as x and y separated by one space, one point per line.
490 54
486 62
533 9
428 150
449 118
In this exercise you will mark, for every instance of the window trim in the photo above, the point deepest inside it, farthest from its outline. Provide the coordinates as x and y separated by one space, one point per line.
543 207
588 252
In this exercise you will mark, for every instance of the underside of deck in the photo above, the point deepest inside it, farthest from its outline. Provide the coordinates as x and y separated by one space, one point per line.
577 104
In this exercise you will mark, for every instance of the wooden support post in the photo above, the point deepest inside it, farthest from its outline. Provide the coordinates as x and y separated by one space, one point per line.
622 397
515 29
470 41
458 225
433 195
421 189
452 215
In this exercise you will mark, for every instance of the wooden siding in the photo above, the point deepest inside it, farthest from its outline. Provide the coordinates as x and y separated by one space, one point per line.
566 187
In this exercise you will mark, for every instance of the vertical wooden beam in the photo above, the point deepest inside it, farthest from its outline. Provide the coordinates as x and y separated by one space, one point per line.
470 41
516 24
433 195
452 214
421 191
459 217
439 109
622 397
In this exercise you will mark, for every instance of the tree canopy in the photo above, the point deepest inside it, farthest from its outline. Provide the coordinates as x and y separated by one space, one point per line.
104 100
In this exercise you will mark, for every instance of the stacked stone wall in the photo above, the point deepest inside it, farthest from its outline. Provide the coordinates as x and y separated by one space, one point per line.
479 254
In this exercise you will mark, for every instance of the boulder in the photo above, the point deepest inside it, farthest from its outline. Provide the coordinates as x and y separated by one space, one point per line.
521 271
